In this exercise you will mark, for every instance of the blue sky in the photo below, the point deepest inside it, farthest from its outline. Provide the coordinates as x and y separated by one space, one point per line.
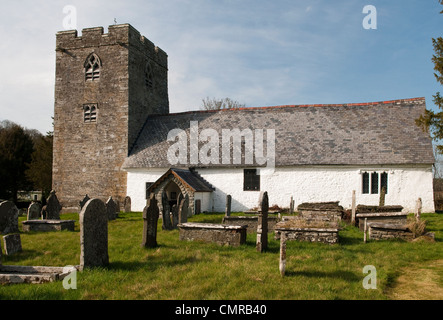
261 53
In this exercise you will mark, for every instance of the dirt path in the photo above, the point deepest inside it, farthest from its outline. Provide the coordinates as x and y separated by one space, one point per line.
420 282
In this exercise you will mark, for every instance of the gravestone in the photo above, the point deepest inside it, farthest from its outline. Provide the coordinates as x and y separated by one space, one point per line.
117 207
282 263
83 202
175 219
228 205
291 206
12 244
381 202
150 218
34 211
94 234
183 210
166 215
53 207
8 217
198 206
418 208
127 204
262 226
111 209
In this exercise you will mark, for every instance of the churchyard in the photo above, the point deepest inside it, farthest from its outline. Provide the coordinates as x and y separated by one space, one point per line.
177 268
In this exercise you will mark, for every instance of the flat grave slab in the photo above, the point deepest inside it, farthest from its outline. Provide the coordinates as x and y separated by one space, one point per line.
34 275
48 225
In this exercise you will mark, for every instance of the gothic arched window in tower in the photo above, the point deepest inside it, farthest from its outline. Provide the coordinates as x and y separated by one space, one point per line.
93 65
149 75
90 113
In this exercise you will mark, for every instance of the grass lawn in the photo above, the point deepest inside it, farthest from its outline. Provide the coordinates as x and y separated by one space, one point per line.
194 270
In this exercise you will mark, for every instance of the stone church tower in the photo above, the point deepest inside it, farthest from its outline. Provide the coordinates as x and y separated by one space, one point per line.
106 86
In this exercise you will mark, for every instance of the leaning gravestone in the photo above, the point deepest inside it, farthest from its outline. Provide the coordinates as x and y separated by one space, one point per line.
94 234
8 217
111 209
150 218
183 210
262 226
127 204
166 216
12 243
34 211
53 207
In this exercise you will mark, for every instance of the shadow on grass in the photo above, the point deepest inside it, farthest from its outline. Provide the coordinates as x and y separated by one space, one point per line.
20 256
344 275
152 264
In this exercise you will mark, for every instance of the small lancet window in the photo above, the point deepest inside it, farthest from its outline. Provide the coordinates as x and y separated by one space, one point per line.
90 113
92 67
149 75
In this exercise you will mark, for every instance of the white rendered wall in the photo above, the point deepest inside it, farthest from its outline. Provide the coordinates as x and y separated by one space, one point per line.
136 187
306 184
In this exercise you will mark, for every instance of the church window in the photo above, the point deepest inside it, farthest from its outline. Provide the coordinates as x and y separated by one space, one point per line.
365 178
251 180
374 182
384 181
149 77
90 113
92 67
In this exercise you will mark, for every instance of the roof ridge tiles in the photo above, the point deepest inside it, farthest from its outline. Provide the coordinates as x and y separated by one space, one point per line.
397 101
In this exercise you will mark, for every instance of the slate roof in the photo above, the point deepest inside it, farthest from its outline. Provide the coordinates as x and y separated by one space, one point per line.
190 178
377 133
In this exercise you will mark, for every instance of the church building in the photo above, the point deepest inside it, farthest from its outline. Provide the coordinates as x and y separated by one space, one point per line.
114 136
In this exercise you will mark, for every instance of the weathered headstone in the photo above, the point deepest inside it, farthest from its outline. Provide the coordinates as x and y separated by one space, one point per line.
111 209
198 206
262 226
183 210
12 244
282 264
83 202
8 217
44 213
353 208
228 205
175 218
53 207
34 211
381 202
418 208
117 207
166 214
365 230
94 234
127 204
291 206
150 218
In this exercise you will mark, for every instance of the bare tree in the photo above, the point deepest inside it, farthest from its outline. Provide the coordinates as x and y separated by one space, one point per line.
218 104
